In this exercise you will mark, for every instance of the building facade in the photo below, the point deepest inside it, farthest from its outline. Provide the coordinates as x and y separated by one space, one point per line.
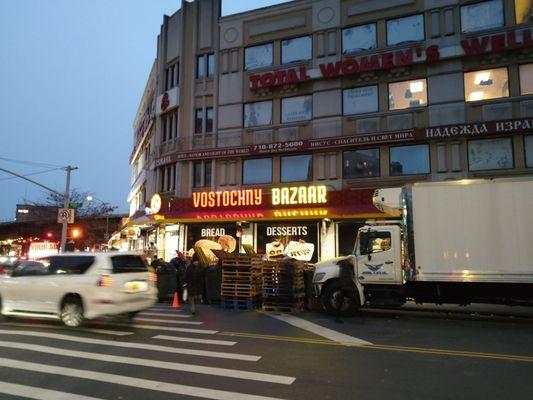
274 126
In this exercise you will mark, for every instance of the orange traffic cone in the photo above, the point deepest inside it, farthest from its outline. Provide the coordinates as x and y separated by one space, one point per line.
175 303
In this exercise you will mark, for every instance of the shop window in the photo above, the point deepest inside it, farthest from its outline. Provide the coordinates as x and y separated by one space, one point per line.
258 113
490 154
346 235
407 94
298 49
523 11
297 168
406 29
209 119
362 163
526 78
257 171
198 120
359 38
294 109
360 100
258 56
481 16
528 149
409 160
210 65
299 240
486 84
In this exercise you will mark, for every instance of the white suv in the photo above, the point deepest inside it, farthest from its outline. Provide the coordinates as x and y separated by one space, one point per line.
74 286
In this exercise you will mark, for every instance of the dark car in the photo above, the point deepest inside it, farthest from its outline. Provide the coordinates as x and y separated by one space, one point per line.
7 264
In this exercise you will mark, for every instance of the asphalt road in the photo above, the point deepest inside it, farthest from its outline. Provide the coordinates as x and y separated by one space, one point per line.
228 354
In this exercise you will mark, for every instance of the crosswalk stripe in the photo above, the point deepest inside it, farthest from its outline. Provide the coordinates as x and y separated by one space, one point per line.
32 392
61 327
197 369
194 340
168 321
133 382
154 314
159 328
141 346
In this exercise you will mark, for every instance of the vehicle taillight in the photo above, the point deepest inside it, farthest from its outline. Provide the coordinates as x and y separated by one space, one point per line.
104 280
153 276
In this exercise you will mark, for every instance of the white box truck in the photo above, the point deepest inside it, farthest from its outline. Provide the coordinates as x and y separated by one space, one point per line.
460 242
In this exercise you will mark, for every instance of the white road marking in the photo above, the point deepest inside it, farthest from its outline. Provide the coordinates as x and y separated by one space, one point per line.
141 346
194 340
317 329
61 327
133 382
154 314
197 369
159 328
36 393
165 308
168 321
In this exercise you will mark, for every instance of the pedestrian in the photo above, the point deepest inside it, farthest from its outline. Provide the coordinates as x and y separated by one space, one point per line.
348 289
179 263
193 282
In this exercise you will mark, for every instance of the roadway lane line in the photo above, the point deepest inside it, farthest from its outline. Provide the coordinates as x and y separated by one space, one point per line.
194 340
144 362
158 327
168 321
61 327
139 346
172 388
32 392
317 329
165 315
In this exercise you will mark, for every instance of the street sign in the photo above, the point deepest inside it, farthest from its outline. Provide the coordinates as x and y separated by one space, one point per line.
75 205
65 214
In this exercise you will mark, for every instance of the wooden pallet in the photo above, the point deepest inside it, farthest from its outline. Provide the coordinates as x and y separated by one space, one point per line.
283 308
239 305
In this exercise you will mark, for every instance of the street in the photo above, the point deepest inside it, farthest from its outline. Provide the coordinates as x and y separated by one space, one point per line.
228 354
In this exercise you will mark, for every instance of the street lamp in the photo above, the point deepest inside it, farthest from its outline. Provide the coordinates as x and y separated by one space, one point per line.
90 198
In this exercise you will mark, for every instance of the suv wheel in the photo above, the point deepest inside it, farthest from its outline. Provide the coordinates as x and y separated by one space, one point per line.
72 312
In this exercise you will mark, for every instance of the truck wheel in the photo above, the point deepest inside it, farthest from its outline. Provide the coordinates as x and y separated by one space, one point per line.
72 312
331 297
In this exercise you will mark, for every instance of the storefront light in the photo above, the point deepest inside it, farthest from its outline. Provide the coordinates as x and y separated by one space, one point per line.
475 96
416 87
481 77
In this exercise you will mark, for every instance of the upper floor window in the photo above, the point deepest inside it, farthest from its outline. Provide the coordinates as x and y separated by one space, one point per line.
258 113
209 119
360 100
409 160
170 126
481 16
407 94
359 38
202 174
257 171
298 49
528 149
294 109
297 168
526 79
523 11
362 163
489 154
486 84
406 29
205 66
167 178
171 76
210 65
198 120
258 56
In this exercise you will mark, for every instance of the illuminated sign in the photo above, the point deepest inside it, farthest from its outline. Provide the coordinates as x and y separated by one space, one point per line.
211 232
155 203
228 198
299 195
286 230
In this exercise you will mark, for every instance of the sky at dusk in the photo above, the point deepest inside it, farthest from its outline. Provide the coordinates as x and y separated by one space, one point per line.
72 73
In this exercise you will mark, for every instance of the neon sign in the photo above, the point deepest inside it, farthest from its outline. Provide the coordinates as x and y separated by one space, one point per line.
228 198
299 195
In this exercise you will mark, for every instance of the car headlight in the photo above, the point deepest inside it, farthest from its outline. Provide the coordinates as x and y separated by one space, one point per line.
319 276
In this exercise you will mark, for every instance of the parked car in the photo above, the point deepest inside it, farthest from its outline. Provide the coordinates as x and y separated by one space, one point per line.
77 286
7 264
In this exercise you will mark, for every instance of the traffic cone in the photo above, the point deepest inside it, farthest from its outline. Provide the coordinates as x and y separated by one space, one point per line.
175 303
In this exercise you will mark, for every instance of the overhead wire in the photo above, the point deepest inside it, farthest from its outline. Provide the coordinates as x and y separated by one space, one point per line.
33 163
31 174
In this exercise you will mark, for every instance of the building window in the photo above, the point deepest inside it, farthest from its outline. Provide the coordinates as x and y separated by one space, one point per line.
197 174
258 114
407 94
406 29
258 56
297 168
205 66
489 154
170 126
526 78
486 84
209 119
362 163
294 109
409 160
523 11
210 65
167 178
481 16
528 148
172 76
207 173
359 38
200 67
298 49
198 120
257 171
360 100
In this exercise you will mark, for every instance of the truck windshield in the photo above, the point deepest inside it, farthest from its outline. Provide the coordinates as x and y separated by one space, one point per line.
374 242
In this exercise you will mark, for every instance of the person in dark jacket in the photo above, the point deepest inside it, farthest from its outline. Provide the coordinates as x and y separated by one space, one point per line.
347 284
193 282
179 263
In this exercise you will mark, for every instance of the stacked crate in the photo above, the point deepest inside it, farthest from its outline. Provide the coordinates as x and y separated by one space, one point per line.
241 281
283 285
